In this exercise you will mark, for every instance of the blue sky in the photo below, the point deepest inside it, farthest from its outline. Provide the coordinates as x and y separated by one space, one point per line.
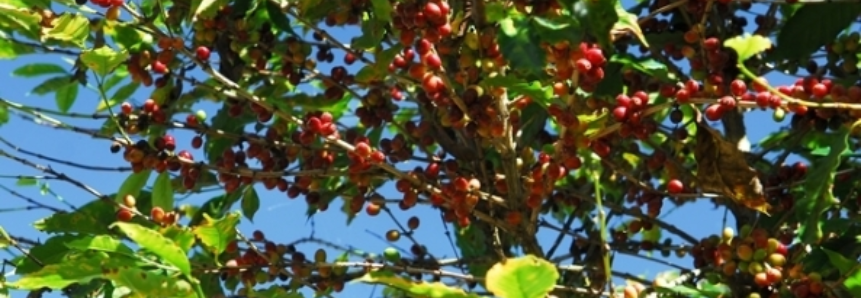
282 219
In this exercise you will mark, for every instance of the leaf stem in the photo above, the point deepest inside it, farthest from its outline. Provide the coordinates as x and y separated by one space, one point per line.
101 86
602 221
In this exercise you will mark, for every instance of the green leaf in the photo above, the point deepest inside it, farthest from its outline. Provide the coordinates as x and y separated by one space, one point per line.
162 192
278 18
382 10
371 37
222 120
415 288
182 236
817 188
133 185
520 45
748 45
853 284
628 22
533 119
154 242
23 20
206 9
524 277
648 66
812 26
103 60
4 115
65 96
121 95
612 84
101 243
150 282
215 234
843 264
26 181
128 37
81 268
250 203
51 85
92 218
72 28
558 29
37 69
11 50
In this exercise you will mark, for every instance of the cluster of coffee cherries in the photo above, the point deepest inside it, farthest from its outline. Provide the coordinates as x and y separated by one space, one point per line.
157 214
629 111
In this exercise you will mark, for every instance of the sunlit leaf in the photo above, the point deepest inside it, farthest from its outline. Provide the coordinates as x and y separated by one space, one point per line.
66 95
524 277
382 10
102 243
415 288
215 234
817 188
80 268
748 45
103 60
69 27
150 282
648 66
92 218
38 69
520 45
154 242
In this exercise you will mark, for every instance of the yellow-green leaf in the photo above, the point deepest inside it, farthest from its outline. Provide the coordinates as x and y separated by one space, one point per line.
79 268
215 234
524 277
207 8
182 236
162 192
158 244
72 28
415 288
11 50
133 185
103 60
92 218
100 242
748 45
150 282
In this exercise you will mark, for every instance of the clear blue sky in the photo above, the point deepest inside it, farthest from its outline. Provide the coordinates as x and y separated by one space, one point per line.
282 219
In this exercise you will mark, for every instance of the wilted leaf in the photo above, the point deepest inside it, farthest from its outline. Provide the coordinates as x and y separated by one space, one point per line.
722 168
524 277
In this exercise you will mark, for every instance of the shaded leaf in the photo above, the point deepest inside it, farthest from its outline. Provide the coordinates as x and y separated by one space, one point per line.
382 10
722 168
103 60
37 69
521 46
558 29
162 192
66 95
415 288
73 28
818 195
538 93
843 264
92 218
133 185
154 242
812 26
524 277
649 66
748 45
250 202
372 35
51 85
215 234
127 37
278 18
627 23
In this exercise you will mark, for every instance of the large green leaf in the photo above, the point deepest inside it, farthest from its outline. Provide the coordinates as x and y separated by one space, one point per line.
250 202
415 288
812 26
648 66
37 69
92 218
52 85
372 35
520 45
51 251
215 234
156 243
162 192
79 268
102 243
127 37
843 264
747 45
21 20
150 282
817 188
103 60
853 283
182 236
524 277
382 10
73 28
66 95
11 50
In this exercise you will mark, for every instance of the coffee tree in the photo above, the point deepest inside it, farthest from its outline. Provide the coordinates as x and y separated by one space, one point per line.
586 119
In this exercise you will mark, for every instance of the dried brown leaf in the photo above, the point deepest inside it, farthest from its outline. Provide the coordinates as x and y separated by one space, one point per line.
722 168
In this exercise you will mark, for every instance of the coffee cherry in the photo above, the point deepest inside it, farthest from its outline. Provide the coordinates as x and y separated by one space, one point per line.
157 214
196 142
149 105
432 61
738 87
714 112
158 67
393 235
124 215
129 201
169 142
202 53
413 223
258 235
675 186
620 113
